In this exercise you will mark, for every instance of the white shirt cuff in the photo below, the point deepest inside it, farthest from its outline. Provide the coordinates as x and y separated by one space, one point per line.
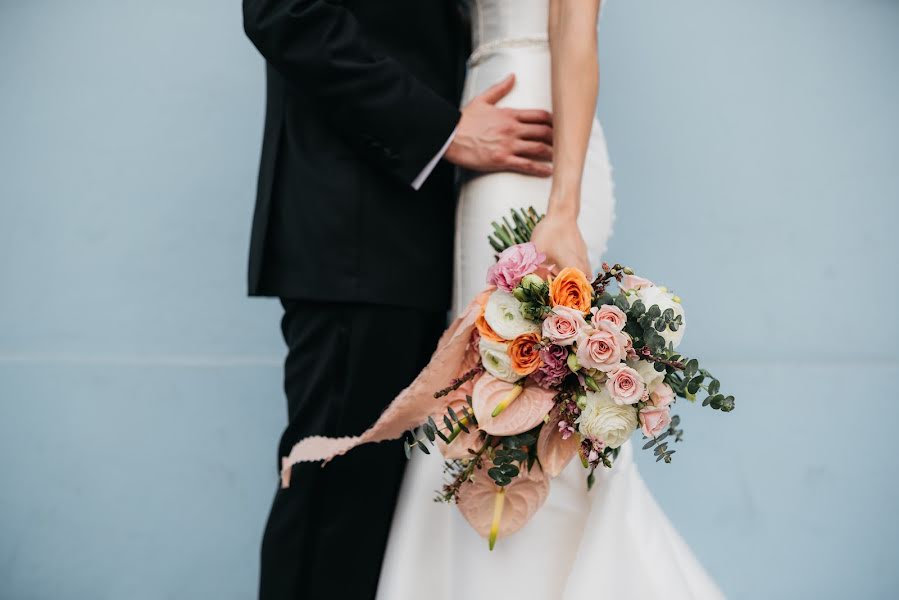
426 172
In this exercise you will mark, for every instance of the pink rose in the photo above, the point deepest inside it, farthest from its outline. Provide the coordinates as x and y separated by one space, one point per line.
602 348
514 263
564 325
610 313
625 385
661 395
654 420
633 282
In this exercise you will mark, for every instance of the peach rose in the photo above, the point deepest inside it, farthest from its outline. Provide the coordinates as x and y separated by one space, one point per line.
572 289
625 386
603 348
610 313
661 395
525 353
654 420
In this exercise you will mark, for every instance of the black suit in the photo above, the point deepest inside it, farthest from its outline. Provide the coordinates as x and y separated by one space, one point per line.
362 94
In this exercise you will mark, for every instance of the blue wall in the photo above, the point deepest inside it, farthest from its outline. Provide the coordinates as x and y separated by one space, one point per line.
140 403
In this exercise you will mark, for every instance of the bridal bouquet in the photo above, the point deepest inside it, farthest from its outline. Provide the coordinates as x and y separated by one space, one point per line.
541 368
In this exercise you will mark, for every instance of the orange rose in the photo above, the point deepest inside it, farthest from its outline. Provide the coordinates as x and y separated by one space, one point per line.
525 353
572 289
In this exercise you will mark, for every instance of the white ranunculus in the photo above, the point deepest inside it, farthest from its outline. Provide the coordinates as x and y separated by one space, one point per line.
496 360
664 299
503 314
647 372
604 420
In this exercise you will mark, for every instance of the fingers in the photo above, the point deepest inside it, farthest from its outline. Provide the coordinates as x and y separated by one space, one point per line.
536 133
498 91
534 116
534 150
525 166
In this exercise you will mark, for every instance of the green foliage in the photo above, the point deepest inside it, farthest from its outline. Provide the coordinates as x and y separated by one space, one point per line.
533 293
689 381
518 231
603 299
429 431
512 454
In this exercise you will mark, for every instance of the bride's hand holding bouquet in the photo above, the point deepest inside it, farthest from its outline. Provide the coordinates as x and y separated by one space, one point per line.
558 236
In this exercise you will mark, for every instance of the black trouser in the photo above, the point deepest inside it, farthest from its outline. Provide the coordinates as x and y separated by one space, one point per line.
326 534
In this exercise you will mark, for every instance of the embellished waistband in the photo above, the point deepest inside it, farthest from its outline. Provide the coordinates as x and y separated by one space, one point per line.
486 49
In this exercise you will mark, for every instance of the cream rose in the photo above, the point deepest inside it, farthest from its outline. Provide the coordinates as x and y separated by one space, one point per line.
503 314
625 385
496 360
602 348
604 420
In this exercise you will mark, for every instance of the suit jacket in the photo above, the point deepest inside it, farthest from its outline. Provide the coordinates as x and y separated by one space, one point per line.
361 95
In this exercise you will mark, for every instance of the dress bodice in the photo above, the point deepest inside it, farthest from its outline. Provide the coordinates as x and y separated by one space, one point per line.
494 21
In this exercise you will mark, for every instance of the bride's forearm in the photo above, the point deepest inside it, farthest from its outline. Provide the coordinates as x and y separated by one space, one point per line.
575 83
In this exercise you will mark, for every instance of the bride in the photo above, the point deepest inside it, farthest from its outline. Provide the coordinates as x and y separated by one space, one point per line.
613 541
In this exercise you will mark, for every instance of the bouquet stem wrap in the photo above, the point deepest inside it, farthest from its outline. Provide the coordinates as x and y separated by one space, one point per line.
408 410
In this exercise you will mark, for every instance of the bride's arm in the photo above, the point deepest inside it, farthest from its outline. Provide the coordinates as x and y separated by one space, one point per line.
575 83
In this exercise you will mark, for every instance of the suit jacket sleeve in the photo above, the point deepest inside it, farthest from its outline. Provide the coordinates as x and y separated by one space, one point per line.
384 111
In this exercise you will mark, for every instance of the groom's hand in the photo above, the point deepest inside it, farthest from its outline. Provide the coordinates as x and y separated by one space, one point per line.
489 138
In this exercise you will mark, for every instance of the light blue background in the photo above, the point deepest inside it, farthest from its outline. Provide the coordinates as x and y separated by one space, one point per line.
754 146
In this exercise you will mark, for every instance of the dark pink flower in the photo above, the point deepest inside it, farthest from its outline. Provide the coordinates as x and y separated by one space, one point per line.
554 367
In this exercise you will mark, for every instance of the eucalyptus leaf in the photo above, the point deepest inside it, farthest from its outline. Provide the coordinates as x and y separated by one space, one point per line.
691 367
510 470
694 384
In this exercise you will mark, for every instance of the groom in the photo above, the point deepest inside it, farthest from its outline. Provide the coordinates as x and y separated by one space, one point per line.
353 231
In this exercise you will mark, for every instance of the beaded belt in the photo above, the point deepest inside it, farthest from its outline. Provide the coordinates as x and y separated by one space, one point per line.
488 48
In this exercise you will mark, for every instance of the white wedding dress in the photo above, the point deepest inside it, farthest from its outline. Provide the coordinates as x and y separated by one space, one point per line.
613 542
